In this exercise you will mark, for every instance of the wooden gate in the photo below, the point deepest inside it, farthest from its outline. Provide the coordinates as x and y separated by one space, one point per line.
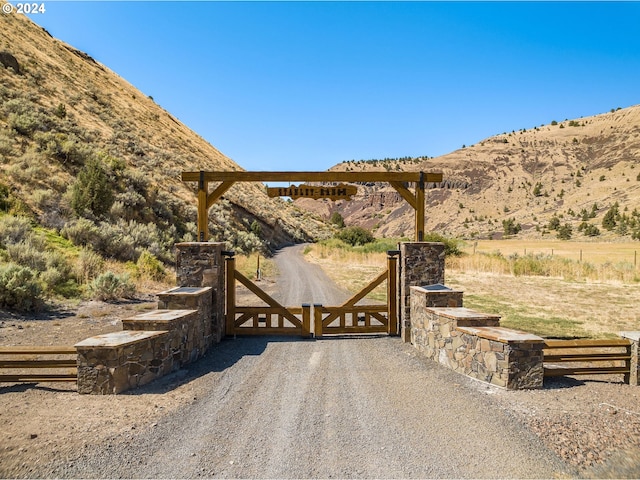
277 319
272 319
352 318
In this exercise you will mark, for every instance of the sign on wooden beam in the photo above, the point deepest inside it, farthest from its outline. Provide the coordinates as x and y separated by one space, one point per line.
335 192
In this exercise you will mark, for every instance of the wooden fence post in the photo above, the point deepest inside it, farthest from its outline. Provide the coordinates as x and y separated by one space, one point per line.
231 292
317 320
306 319
392 295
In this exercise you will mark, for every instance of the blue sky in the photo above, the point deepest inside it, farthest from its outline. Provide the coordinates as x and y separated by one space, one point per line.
306 85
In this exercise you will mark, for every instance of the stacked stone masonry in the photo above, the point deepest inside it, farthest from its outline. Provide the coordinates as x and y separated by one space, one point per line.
421 263
192 298
201 264
189 320
474 344
183 326
115 362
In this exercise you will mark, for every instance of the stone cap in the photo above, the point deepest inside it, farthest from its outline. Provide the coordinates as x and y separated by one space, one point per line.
186 291
161 315
461 313
635 336
117 339
435 288
502 334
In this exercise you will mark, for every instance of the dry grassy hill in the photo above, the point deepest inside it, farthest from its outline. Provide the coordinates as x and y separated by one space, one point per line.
61 110
561 169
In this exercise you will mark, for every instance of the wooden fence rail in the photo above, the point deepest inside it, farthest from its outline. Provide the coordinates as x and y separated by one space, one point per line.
20 364
587 357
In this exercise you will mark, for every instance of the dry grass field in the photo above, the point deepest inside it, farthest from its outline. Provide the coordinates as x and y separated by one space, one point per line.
592 252
566 301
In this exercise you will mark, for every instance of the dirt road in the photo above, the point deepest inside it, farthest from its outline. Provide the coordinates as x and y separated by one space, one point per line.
359 407
301 282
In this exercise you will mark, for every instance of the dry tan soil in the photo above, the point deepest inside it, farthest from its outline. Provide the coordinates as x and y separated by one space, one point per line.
593 424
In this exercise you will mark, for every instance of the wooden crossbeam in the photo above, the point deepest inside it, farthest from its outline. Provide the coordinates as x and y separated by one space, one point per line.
353 177
398 180
267 298
366 290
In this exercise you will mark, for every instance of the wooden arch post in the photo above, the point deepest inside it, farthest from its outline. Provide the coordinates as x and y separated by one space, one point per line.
398 180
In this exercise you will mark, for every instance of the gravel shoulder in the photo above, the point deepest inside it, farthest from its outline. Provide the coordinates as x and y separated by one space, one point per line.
279 407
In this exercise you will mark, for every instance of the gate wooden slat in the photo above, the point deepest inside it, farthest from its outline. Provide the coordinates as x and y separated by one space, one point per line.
366 290
266 298
587 357
67 367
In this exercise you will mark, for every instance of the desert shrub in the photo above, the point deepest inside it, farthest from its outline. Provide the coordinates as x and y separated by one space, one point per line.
245 242
14 229
25 117
110 286
149 266
611 218
452 246
129 205
355 236
19 288
88 266
510 227
66 148
565 232
589 229
337 220
554 223
28 253
81 232
538 264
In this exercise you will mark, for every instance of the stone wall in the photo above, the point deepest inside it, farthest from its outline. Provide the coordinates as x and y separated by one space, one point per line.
201 264
421 263
473 343
192 298
183 326
115 362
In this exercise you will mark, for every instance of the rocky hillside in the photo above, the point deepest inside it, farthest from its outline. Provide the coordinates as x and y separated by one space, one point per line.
84 153
569 172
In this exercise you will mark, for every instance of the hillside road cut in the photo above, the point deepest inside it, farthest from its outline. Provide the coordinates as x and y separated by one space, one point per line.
357 407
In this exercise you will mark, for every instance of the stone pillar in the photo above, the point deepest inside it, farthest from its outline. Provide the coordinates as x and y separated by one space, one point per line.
200 264
421 263
634 377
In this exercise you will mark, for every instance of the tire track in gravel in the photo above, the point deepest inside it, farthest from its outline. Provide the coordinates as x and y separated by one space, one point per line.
357 407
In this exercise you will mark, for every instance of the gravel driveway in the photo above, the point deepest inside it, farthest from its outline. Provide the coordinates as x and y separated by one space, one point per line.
357 407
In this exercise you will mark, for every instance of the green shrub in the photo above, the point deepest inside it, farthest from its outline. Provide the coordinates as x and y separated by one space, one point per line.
150 267
510 227
337 220
81 232
92 192
19 288
29 254
109 287
14 229
451 245
355 236
565 232
88 266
